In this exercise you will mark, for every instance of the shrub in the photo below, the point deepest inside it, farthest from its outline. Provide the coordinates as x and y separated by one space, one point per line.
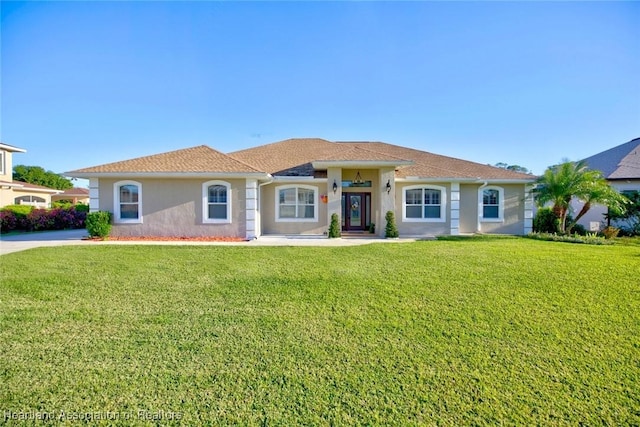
334 227
579 229
590 238
81 208
391 231
610 232
99 224
8 221
372 228
545 221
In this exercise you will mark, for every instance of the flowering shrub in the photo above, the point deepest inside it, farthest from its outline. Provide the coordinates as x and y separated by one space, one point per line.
589 239
8 221
42 219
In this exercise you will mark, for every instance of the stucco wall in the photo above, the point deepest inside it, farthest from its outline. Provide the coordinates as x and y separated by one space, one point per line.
469 208
596 212
407 228
513 222
269 211
174 208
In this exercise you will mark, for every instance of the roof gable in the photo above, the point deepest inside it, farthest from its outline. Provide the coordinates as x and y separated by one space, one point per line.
621 162
200 159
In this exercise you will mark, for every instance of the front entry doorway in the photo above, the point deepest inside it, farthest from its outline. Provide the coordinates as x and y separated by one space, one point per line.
356 211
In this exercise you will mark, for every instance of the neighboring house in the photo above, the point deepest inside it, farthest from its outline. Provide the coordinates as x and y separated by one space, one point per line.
621 166
294 186
73 195
17 192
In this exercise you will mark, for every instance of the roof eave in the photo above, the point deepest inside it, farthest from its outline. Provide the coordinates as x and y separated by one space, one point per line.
475 180
12 149
178 175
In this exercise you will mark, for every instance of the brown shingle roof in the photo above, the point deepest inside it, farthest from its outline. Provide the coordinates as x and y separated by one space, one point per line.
294 157
35 187
201 159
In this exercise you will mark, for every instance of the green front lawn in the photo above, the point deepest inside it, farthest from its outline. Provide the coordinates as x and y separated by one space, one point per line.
456 332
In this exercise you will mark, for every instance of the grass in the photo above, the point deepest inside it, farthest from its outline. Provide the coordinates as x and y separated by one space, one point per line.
455 332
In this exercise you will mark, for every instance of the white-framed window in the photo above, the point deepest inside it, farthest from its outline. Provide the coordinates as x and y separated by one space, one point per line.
296 203
127 199
2 158
216 202
424 203
31 201
491 204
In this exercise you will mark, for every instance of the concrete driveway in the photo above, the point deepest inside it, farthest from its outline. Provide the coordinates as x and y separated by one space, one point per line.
24 241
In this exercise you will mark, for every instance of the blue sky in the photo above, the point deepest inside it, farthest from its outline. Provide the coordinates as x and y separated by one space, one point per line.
86 83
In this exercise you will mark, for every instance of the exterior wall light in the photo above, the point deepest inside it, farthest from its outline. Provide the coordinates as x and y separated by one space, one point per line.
335 186
388 186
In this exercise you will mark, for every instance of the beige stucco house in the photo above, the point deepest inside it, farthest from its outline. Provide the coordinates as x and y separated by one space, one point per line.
16 192
620 165
294 186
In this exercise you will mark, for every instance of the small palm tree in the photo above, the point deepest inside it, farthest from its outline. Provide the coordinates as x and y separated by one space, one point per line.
561 183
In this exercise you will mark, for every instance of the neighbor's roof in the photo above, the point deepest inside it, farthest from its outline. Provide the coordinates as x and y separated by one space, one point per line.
621 162
25 186
76 192
201 159
295 157
11 148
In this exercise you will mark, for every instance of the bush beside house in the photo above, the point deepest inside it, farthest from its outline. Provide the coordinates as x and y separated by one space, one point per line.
26 218
99 224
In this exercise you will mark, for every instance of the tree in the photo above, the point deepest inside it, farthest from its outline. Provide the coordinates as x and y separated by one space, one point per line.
38 176
629 220
561 183
515 168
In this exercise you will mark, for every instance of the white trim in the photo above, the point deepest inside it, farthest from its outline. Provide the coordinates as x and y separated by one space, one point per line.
205 202
465 180
3 157
528 209
316 190
251 196
116 203
175 175
481 191
94 195
443 203
454 228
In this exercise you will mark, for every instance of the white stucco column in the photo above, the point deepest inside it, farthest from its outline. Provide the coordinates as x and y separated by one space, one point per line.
387 200
334 202
528 209
455 209
251 202
94 195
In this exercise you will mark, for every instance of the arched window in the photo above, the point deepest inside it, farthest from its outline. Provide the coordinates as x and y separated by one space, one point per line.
216 202
29 200
491 203
422 203
297 203
128 202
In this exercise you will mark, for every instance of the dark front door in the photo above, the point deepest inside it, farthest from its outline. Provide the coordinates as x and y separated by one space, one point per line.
356 208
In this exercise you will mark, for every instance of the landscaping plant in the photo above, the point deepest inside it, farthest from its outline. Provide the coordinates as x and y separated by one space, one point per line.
391 230
99 224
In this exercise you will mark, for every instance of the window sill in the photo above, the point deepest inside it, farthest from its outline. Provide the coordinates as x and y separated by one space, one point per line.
296 220
424 220
491 220
216 221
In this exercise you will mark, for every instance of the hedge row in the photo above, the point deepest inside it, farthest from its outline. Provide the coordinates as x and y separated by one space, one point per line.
20 218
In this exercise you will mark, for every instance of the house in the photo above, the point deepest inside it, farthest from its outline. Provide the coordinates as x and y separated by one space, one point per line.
621 167
73 195
294 186
17 192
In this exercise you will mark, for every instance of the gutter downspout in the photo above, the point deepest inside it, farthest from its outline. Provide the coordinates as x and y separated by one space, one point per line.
480 204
